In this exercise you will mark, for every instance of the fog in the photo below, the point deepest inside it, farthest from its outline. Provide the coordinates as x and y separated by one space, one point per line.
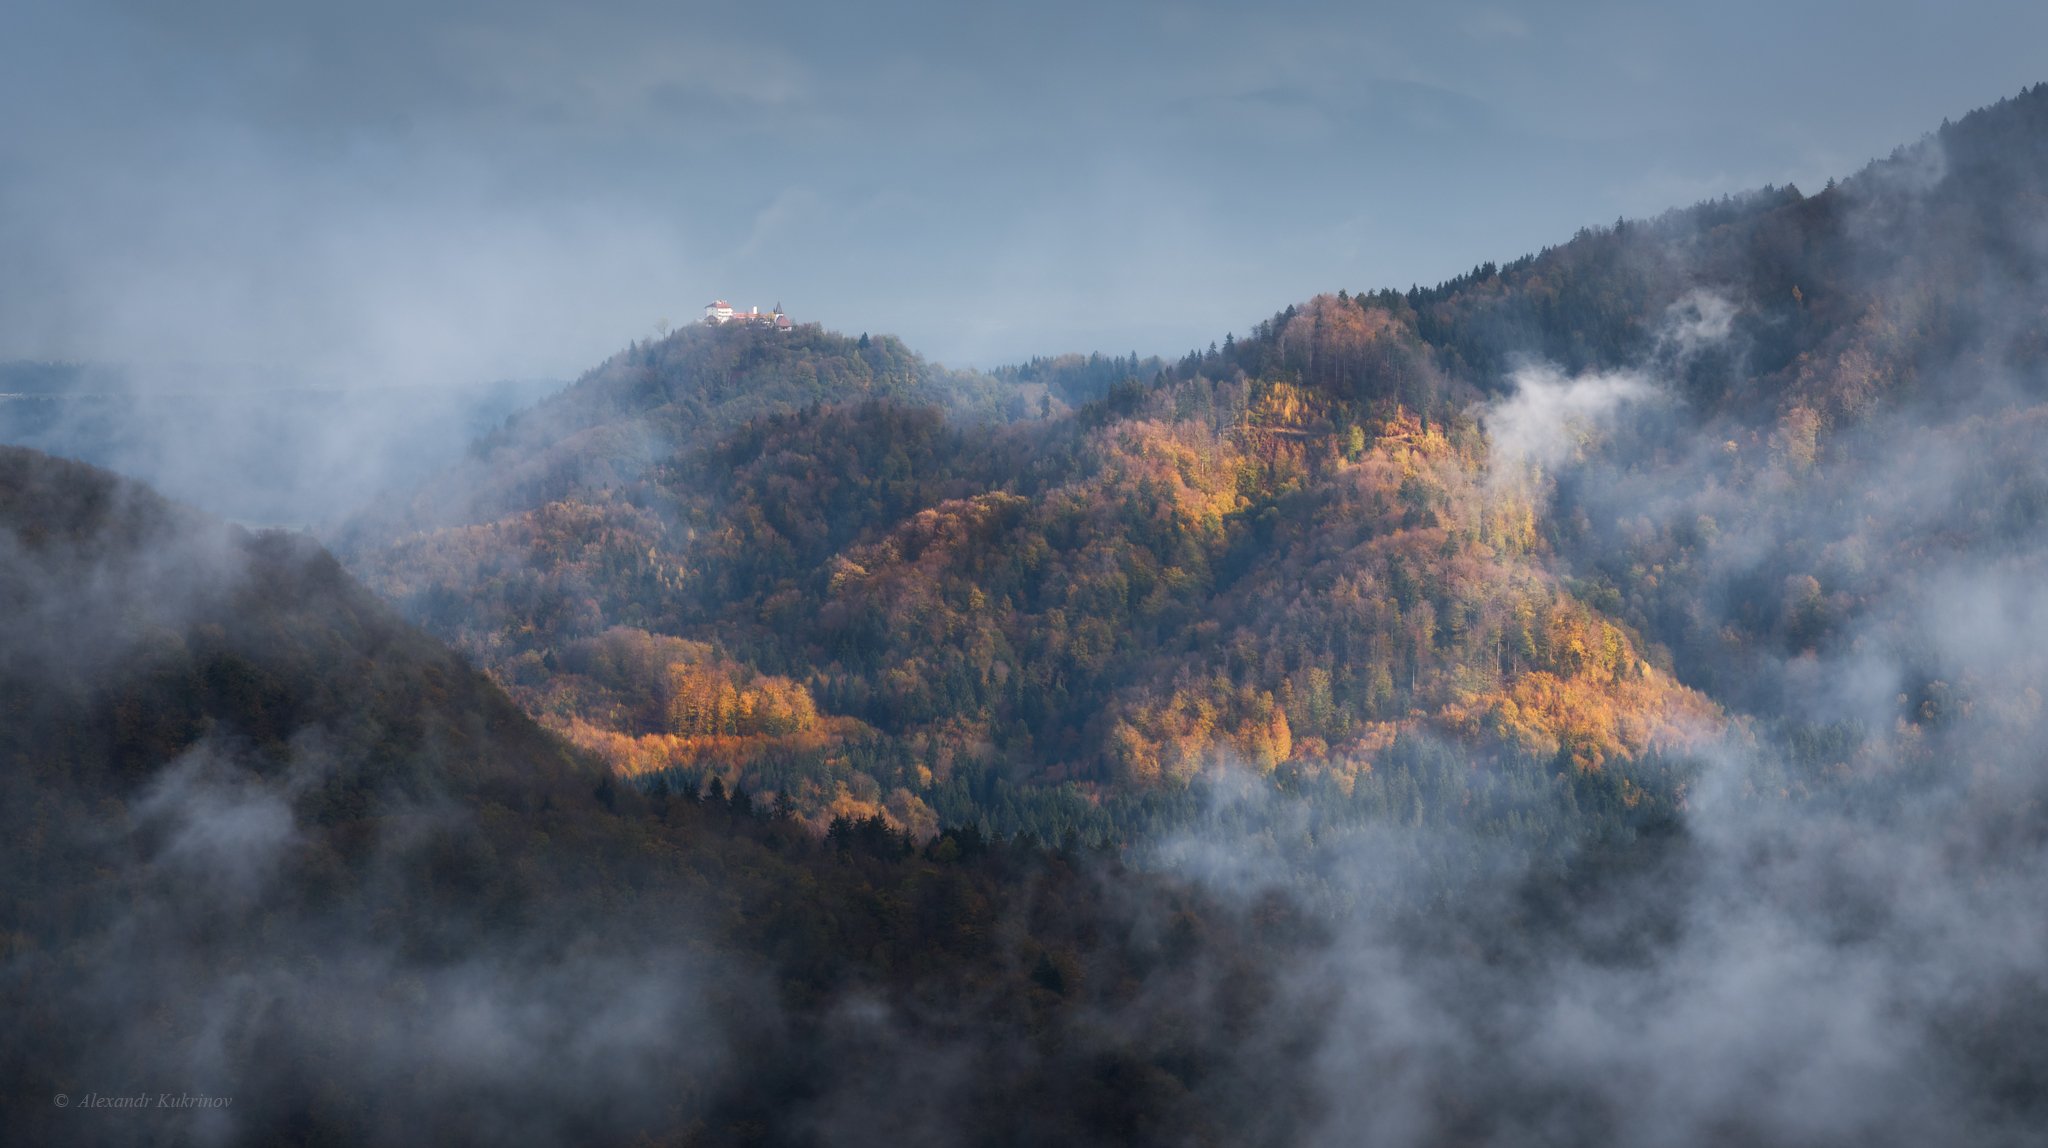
405 194
544 1035
225 939
1836 946
279 265
263 448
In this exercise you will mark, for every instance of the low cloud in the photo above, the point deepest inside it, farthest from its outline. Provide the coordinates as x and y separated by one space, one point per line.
218 825
1550 414
1700 320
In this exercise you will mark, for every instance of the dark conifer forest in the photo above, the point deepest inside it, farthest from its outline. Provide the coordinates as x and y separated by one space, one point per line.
1593 700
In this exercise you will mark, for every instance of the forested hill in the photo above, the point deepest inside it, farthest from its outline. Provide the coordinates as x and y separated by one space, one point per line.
133 630
1376 523
655 399
263 841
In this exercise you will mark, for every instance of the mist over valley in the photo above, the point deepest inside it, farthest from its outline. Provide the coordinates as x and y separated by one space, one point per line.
1595 699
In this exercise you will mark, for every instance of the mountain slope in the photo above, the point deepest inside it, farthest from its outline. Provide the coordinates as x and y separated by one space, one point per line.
263 841
1377 517
1056 602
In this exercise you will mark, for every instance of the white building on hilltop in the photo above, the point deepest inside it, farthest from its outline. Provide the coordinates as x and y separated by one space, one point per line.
718 313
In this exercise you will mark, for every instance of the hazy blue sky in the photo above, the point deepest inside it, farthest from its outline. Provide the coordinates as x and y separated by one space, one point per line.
412 192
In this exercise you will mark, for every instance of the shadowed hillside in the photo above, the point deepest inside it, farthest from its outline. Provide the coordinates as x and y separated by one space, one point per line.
264 841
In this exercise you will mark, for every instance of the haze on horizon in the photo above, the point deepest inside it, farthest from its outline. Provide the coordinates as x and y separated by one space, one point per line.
381 193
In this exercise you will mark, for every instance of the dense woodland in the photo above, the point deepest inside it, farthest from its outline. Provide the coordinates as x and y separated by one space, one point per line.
885 729
1288 552
432 826
272 805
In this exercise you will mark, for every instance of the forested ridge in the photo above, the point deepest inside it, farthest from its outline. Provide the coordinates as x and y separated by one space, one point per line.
1592 700
1289 551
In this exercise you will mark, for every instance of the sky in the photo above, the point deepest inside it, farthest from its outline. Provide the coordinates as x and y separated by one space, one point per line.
402 193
